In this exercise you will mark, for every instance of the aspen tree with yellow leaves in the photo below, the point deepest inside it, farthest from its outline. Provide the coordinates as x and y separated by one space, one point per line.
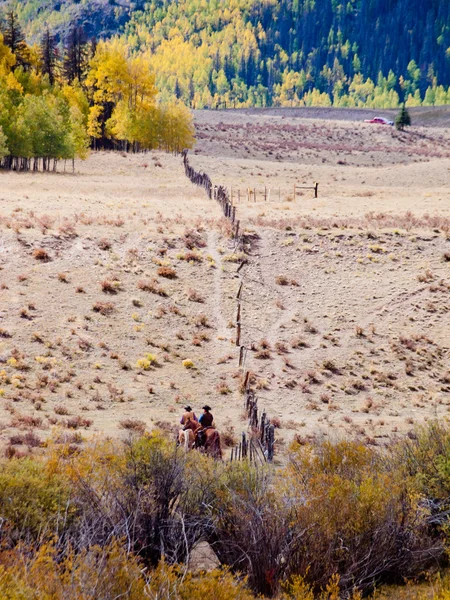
47 117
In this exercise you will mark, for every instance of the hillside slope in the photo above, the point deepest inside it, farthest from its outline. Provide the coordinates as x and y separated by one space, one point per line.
275 52
283 53
99 18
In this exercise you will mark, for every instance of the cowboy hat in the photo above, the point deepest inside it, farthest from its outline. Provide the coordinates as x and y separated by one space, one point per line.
187 408
206 407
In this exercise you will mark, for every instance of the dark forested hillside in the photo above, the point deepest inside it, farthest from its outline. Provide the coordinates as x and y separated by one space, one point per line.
99 18
278 52
352 53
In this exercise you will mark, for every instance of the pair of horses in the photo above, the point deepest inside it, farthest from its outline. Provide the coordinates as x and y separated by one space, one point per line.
189 438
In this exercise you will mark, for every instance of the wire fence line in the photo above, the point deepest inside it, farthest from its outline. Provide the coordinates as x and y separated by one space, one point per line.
258 443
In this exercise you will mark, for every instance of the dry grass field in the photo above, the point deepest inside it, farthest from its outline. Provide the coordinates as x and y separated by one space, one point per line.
118 285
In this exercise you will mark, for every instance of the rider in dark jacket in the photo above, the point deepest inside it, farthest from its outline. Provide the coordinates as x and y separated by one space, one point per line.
206 419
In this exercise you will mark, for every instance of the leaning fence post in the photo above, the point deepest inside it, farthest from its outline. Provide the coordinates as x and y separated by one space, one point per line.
247 375
241 355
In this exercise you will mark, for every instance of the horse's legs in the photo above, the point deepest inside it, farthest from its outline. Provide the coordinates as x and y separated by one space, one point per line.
212 446
218 449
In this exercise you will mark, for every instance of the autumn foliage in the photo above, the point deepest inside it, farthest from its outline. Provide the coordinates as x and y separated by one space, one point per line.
53 110
120 519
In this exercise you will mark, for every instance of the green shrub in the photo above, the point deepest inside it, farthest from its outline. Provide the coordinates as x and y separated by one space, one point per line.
34 502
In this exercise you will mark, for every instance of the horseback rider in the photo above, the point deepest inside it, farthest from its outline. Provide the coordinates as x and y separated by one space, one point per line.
206 419
188 415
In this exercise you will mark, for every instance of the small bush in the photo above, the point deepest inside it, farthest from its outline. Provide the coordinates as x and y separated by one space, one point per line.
426 277
104 308
195 296
26 421
263 353
223 388
281 348
147 362
188 364
152 287
282 280
228 436
237 257
167 272
201 320
330 365
104 244
298 342
110 287
77 422
41 254
133 425
193 239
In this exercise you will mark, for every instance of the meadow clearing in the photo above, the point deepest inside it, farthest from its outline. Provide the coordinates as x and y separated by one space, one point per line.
118 285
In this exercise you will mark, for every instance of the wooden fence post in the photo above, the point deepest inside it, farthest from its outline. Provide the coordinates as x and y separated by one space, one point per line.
316 190
238 335
247 375
270 439
241 355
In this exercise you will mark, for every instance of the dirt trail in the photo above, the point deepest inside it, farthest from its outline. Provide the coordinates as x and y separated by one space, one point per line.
219 300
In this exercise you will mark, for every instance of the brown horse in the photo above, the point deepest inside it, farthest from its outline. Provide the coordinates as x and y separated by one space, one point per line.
212 439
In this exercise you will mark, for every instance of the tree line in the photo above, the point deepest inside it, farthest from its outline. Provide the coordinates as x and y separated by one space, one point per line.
56 104
371 53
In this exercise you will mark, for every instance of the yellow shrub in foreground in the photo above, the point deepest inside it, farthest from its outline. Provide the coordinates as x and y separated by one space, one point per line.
109 573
